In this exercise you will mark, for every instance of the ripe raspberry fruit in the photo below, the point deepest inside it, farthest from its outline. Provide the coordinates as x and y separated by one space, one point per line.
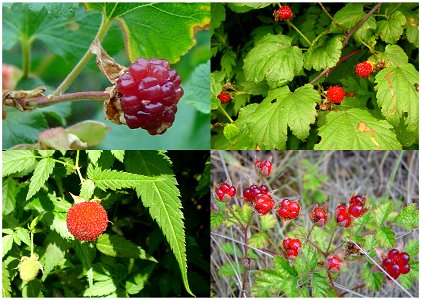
225 97
29 267
319 216
396 263
150 94
87 220
355 210
253 191
289 209
342 216
334 263
284 13
291 246
263 168
364 69
263 204
225 192
357 200
335 94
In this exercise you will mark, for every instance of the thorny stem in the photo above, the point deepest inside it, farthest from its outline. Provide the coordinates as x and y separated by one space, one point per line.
225 113
103 28
78 168
299 32
246 248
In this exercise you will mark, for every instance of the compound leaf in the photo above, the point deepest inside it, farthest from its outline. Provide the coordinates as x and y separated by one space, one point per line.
17 161
43 170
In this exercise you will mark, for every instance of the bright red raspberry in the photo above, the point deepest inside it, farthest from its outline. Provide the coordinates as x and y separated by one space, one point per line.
357 200
291 246
396 263
336 94
289 209
253 191
225 97
342 216
402 259
404 269
87 220
284 13
150 94
334 263
319 216
364 69
225 192
263 168
355 210
392 253
264 203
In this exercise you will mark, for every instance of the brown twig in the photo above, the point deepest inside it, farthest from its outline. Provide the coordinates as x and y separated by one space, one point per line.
244 286
331 18
353 289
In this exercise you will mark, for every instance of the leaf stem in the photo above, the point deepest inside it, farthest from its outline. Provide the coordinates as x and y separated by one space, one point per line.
299 32
78 168
26 55
103 28
225 113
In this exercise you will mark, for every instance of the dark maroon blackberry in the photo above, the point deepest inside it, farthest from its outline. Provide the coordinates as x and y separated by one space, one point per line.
150 94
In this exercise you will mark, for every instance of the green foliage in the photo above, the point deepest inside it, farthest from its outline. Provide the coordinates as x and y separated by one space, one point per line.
318 48
141 193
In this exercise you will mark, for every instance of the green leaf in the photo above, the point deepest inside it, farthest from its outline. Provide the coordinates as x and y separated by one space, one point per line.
119 154
55 251
230 248
228 62
356 129
408 217
229 269
231 131
320 285
306 261
196 88
243 7
22 235
7 243
385 236
33 289
137 281
118 246
391 29
282 109
382 212
271 282
115 180
90 132
397 95
273 59
87 189
6 284
162 30
258 240
94 155
46 153
217 15
162 199
395 56
325 52
100 288
412 247
217 219
267 222
17 161
86 253
42 172
9 190
373 280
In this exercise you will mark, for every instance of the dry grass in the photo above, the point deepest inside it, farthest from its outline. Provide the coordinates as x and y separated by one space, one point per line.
380 175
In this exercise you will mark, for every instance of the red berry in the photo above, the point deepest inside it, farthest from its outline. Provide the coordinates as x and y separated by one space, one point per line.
364 69
343 218
357 200
289 209
341 208
285 243
264 204
294 206
319 216
225 188
283 13
355 210
225 97
392 253
225 192
264 189
220 194
295 244
387 263
150 94
336 94
263 168
87 220
402 259
334 263
394 271
292 253
247 193
404 269
291 246
285 203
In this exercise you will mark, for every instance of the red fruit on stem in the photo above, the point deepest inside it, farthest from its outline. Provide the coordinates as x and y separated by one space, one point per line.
225 192
284 13
334 263
402 259
289 209
225 97
343 218
364 69
319 216
291 246
392 253
87 220
404 269
263 168
357 200
355 210
264 203
150 94
336 94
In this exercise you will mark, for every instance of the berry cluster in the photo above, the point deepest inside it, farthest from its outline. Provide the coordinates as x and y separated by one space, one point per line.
263 168
289 209
334 263
291 246
263 204
364 69
225 192
319 216
335 94
396 263
224 96
284 13
150 94
251 193
355 209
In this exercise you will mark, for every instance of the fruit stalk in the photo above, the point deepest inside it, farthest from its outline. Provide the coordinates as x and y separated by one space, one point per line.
244 285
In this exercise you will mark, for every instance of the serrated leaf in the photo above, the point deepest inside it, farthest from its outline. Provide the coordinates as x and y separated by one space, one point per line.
162 30
271 282
100 288
273 59
231 131
258 240
217 15
135 283
229 269
87 189
22 234
228 62
9 190
395 55
278 111
320 285
46 153
54 253
382 212
217 219
230 248
391 29
397 95
385 236
17 161
6 284
356 129
306 261
94 155
86 255
162 199
325 52
7 243
267 222
42 172
373 280
408 217
412 247
118 246
119 154
115 180
196 88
